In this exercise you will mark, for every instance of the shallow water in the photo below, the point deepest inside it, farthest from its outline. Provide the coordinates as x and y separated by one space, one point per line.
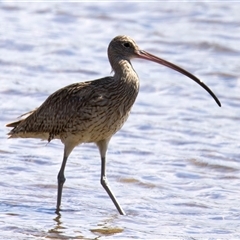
174 166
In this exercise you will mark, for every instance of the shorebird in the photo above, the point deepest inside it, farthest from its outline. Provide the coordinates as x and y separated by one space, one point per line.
92 111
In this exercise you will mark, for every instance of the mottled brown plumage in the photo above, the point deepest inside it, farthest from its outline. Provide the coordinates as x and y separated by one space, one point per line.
91 111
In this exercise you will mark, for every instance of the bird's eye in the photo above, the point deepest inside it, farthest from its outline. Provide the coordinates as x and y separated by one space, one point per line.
126 44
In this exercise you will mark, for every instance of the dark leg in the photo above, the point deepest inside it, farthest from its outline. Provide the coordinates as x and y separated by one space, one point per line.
104 183
102 145
61 178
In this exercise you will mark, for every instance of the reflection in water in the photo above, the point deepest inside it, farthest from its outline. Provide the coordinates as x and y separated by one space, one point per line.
60 232
103 229
107 231
58 223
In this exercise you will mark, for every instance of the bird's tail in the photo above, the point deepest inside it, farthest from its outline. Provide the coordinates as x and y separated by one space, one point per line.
21 118
14 124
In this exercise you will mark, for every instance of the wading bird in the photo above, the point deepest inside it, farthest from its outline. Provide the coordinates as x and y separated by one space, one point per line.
92 111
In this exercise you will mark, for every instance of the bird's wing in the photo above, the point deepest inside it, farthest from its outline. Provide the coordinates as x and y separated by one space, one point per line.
61 110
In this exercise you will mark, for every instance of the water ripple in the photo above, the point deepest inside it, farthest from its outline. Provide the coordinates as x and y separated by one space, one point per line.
174 166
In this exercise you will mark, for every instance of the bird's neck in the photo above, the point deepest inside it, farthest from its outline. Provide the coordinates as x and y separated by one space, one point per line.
124 71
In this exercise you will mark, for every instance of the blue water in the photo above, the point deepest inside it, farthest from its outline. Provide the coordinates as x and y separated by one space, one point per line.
174 166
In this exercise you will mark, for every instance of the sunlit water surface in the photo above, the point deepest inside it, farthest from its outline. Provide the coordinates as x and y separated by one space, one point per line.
174 166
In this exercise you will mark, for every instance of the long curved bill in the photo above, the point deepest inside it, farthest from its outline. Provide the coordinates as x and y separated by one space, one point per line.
145 55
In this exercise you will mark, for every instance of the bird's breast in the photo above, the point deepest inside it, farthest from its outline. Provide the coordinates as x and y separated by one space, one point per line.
105 113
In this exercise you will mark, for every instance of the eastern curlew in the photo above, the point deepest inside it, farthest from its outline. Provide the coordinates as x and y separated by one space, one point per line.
92 111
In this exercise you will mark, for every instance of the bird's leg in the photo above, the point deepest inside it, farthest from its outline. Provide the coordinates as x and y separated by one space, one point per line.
61 178
104 183
102 145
